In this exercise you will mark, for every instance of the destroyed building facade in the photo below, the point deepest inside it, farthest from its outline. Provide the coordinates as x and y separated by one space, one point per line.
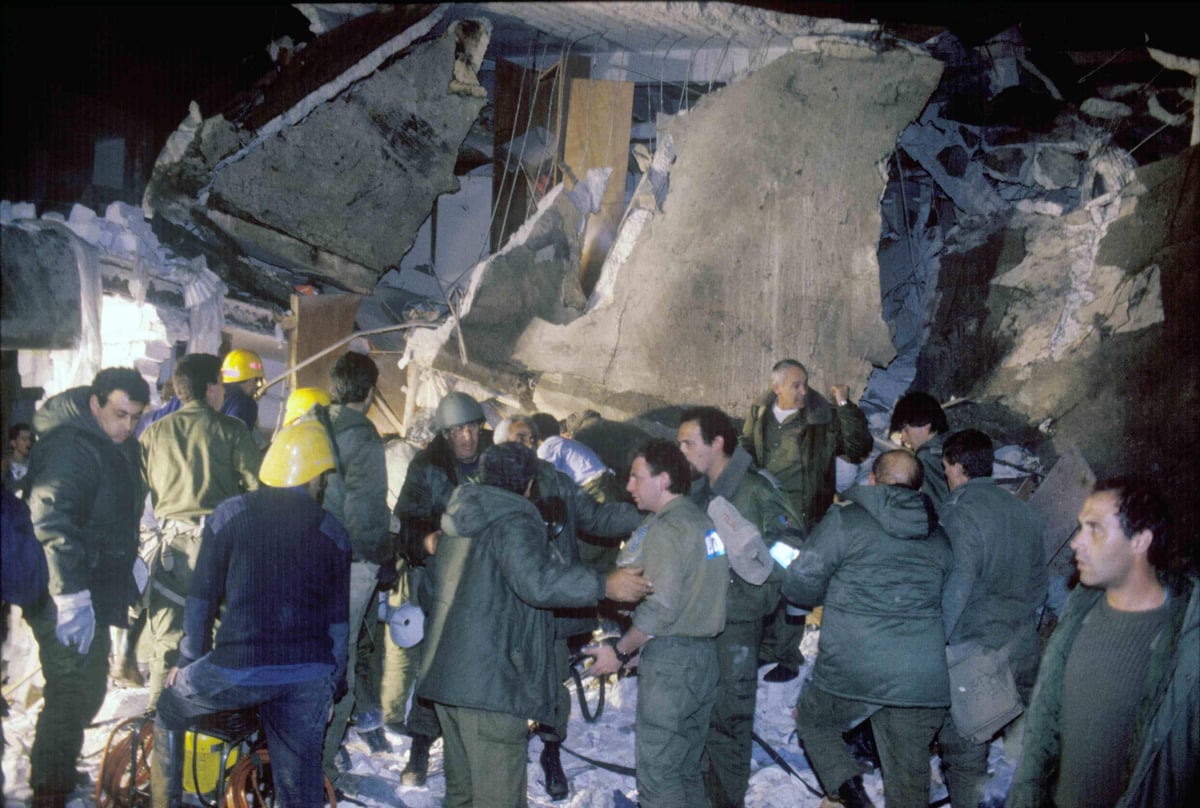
630 207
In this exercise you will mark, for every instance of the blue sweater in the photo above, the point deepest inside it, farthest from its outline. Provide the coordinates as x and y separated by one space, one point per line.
282 565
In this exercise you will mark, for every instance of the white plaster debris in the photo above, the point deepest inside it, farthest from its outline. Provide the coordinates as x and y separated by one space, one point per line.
1105 109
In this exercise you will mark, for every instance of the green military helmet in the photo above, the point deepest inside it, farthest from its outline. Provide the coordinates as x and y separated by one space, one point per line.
456 409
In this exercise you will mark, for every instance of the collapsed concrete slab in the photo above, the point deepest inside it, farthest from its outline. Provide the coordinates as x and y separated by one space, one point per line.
764 249
379 145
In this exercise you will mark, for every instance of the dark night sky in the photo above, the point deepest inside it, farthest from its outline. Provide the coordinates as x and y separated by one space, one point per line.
72 73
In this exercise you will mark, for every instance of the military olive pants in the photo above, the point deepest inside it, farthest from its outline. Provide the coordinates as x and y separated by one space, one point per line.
727 750
485 756
677 687
902 737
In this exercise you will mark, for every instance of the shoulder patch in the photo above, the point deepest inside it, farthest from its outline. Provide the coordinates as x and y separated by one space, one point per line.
713 546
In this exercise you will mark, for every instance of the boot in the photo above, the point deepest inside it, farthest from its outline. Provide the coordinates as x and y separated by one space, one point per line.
781 673
853 795
556 778
125 672
376 740
417 768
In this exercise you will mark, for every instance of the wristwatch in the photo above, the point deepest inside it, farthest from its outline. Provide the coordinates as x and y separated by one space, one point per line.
621 657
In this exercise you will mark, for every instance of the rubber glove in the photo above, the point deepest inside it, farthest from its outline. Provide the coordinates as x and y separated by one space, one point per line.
76 624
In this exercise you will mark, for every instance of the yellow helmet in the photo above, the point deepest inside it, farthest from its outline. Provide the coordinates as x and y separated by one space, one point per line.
302 400
240 365
299 453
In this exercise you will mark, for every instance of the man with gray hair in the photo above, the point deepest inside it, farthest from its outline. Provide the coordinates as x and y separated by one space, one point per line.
796 435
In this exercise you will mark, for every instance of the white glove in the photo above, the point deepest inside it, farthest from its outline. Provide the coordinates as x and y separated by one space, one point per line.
76 624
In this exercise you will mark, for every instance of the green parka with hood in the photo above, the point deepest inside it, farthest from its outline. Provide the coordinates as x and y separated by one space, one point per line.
878 565
85 497
489 637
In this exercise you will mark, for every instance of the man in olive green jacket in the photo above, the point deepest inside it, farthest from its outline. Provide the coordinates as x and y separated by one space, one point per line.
488 663
85 498
709 442
877 565
796 435
192 460
1128 641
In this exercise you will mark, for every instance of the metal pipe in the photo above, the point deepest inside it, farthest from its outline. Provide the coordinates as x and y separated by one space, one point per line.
333 347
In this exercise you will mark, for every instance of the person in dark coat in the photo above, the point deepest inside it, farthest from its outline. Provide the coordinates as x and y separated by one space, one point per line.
85 498
995 589
281 645
488 664
1129 642
796 435
450 459
878 565
921 423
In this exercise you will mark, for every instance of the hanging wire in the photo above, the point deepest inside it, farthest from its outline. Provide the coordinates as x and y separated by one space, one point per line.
720 64
687 78
532 72
662 70
507 159
563 55
649 96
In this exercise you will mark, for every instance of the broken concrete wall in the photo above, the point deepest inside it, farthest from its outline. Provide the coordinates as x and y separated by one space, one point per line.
380 150
532 279
765 247
1087 328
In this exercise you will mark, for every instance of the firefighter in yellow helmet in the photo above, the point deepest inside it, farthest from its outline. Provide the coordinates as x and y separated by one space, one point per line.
302 400
242 374
292 683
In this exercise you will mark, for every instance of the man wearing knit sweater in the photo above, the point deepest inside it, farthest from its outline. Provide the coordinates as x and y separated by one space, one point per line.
281 645
1115 714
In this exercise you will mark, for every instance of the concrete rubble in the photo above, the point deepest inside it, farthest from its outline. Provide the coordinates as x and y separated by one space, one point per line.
115 265
378 143
713 279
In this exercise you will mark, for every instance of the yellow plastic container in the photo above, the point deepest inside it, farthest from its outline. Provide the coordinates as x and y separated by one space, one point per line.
202 761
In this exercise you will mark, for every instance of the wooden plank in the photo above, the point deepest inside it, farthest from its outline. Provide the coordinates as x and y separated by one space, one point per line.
516 88
599 119
320 321
1058 501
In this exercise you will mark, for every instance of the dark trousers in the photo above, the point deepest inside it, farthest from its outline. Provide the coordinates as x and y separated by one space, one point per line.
902 737
730 731
781 637
75 688
293 715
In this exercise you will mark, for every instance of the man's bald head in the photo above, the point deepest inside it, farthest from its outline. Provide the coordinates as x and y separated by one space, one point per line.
898 468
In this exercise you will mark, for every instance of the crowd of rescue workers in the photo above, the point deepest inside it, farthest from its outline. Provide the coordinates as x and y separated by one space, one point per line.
275 578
